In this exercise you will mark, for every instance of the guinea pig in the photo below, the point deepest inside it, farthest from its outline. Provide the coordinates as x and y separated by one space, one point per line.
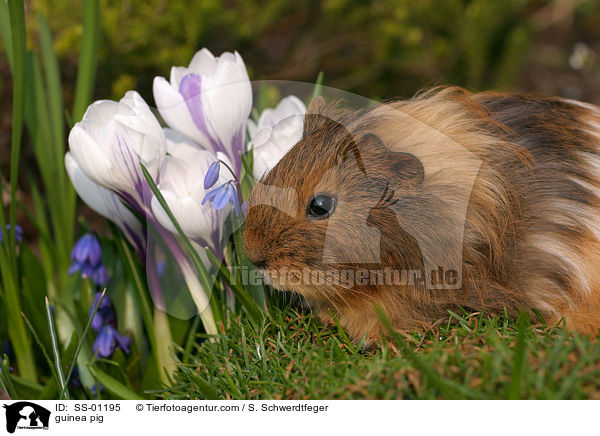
486 201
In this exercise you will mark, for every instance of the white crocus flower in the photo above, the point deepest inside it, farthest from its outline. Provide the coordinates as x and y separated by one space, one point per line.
113 139
182 186
104 202
276 132
209 102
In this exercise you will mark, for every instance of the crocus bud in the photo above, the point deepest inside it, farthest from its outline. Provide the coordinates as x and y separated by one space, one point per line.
212 175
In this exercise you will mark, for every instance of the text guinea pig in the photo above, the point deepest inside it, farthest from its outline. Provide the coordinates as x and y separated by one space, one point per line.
487 201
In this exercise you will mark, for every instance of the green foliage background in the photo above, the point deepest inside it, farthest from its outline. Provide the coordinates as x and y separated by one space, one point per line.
376 48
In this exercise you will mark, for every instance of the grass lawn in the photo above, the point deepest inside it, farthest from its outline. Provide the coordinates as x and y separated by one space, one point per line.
468 356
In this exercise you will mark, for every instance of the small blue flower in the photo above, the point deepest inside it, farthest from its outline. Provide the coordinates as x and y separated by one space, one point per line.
18 233
86 257
210 196
224 194
108 340
104 322
87 249
212 175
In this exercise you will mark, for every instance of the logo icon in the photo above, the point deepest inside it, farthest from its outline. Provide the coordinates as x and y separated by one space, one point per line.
26 415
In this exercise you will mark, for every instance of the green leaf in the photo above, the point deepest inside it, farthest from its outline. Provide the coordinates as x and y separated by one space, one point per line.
114 386
86 74
58 187
5 31
53 86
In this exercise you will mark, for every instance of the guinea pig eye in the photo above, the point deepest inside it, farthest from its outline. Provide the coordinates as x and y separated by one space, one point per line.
321 206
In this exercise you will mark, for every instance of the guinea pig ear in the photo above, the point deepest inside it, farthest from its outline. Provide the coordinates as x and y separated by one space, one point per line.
314 117
401 167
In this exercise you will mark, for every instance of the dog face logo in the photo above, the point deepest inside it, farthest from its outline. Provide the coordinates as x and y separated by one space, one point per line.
26 415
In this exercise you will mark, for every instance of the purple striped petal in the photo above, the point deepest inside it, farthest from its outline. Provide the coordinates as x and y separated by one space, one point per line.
190 89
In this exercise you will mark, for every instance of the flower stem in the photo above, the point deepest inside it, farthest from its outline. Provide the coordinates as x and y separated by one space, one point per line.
200 298
164 342
230 170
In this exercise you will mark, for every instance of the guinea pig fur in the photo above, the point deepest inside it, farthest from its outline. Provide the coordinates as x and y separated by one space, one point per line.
515 179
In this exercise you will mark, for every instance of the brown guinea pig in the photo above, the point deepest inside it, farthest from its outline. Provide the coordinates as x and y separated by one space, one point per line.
487 201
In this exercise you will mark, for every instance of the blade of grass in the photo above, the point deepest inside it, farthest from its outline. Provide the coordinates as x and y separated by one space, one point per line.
42 347
63 392
56 350
200 383
318 89
191 338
